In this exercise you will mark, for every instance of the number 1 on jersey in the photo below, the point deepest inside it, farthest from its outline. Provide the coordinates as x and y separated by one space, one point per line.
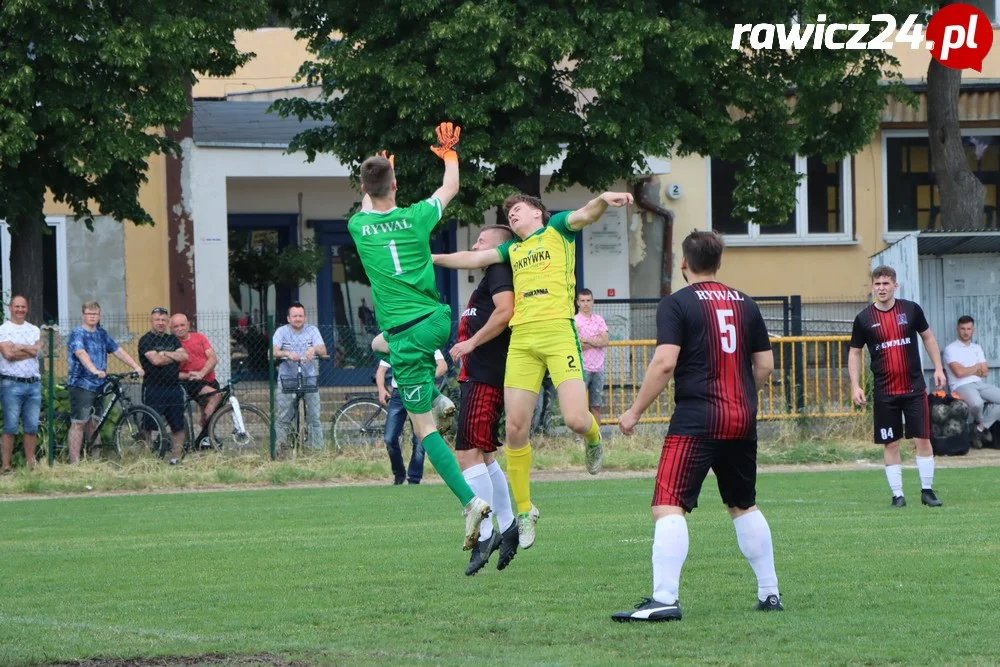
395 258
727 331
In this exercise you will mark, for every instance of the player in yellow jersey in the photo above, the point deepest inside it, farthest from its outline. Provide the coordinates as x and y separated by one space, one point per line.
543 336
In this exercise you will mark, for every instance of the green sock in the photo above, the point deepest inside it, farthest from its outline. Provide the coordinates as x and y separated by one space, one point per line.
444 462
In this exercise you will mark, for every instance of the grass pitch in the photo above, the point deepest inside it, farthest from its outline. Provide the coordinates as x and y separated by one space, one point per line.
364 574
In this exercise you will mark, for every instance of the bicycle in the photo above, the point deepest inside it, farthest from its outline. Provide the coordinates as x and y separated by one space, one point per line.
233 427
133 426
298 435
360 421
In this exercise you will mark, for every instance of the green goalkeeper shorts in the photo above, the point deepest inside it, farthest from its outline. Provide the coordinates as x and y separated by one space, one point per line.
411 353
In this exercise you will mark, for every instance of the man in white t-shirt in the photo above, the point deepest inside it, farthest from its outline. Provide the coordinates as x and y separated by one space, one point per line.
22 387
967 369
394 421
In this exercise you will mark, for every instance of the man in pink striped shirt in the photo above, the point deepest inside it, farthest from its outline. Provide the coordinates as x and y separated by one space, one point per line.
592 331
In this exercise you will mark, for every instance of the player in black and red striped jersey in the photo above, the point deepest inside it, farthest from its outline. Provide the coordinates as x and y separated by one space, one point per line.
713 341
890 328
483 338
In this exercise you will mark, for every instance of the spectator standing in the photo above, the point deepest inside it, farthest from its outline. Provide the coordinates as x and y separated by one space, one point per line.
967 370
366 316
592 331
394 421
162 354
298 344
197 374
22 387
89 346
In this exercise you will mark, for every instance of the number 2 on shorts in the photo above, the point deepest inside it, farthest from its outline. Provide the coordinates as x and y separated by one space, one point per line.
395 258
727 331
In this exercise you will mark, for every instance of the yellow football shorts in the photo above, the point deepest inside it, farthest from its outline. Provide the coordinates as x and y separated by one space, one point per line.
537 346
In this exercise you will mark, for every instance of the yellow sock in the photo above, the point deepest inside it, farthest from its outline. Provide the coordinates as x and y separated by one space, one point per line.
593 435
519 474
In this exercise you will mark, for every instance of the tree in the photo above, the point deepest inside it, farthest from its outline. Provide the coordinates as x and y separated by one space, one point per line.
963 196
606 82
83 87
263 267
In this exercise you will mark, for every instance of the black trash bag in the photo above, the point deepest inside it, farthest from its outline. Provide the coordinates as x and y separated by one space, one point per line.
952 436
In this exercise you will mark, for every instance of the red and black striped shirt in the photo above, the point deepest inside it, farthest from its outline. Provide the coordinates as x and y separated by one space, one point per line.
487 362
891 337
718 330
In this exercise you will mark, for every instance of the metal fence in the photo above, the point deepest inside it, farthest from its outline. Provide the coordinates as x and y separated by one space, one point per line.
245 354
810 379
635 319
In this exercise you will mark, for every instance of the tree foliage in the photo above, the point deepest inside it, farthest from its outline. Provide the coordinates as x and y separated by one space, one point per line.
607 82
84 85
265 266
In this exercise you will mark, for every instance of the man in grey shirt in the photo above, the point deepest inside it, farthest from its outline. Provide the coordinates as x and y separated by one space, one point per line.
296 345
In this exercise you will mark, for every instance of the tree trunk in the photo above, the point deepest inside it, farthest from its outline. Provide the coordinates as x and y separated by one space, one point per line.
962 195
180 225
529 184
26 269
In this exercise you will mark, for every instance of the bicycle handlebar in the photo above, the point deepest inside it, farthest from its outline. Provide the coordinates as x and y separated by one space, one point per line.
117 377
300 361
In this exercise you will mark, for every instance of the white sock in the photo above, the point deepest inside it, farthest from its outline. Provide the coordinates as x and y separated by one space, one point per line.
925 467
478 478
501 497
894 473
670 549
754 537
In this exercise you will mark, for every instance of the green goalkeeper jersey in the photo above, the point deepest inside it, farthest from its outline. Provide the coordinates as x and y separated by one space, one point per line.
395 250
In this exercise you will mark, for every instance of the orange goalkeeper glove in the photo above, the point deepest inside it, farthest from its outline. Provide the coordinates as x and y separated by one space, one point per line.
447 135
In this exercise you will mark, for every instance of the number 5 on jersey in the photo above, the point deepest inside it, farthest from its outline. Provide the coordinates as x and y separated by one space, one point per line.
727 332
395 258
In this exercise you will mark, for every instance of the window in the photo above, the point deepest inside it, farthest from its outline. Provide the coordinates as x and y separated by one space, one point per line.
822 212
54 276
989 7
911 193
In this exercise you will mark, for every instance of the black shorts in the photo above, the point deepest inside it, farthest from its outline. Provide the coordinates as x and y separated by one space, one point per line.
890 412
169 402
193 387
479 417
685 463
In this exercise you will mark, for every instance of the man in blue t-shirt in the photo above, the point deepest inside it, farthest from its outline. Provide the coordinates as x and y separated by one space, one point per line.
89 346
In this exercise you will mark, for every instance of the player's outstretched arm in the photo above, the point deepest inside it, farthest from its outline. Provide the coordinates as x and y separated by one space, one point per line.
596 207
655 381
468 259
447 136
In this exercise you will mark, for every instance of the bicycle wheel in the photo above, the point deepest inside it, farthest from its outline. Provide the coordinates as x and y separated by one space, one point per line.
359 423
254 433
191 428
61 424
138 428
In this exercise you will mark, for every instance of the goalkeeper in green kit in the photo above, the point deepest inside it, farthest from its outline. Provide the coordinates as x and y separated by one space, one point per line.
394 246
